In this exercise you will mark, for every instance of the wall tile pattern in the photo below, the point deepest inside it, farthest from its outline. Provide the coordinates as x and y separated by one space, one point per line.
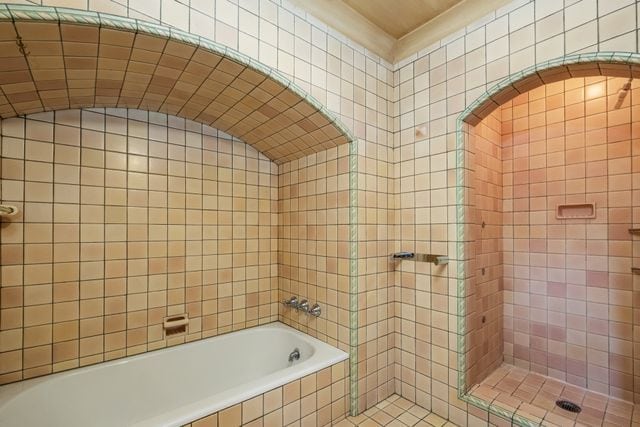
313 242
318 399
428 92
127 218
433 87
568 286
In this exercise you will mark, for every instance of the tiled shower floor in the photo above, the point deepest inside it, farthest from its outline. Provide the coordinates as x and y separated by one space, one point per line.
534 396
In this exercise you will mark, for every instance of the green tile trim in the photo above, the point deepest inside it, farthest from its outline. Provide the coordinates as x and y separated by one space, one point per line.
353 278
5 15
61 15
595 58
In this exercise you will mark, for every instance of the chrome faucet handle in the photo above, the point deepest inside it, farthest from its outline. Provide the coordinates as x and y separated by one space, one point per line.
292 302
315 310
303 305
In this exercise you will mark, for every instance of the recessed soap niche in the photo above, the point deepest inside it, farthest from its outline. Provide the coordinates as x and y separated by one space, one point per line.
175 325
576 211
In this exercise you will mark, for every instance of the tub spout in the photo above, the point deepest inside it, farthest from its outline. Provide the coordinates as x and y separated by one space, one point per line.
294 355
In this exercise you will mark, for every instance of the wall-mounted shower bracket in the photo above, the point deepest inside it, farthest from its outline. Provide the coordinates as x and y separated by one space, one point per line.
403 255
432 258
634 231
635 270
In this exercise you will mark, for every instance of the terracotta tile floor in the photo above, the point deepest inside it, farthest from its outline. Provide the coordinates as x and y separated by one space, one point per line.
396 411
534 396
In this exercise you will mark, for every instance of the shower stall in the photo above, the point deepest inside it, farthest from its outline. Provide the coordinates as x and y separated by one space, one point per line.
552 202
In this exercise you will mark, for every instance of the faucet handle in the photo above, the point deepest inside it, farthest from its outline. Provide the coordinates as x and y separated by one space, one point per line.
315 310
303 305
293 302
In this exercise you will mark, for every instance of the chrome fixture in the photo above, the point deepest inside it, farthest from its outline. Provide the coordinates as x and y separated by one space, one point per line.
291 302
403 255
568 405
431 258
303 305
622 93
294 355
315 310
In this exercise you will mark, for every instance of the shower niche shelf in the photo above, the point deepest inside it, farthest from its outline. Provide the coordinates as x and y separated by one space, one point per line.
576 211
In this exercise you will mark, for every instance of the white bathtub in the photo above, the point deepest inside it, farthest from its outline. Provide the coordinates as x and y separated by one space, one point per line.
169 387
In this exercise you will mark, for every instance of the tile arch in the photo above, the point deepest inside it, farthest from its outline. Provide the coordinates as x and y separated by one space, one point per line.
58 58
614 64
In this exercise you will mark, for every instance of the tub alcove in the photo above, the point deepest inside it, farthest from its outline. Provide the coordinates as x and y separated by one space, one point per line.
525 150
59 66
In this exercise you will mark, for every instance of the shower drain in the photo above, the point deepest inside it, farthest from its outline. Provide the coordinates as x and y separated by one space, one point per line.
568 406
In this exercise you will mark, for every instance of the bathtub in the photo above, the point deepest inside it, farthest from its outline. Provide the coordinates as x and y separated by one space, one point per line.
169 387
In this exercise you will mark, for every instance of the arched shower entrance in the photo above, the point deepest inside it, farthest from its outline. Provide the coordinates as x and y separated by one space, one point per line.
540 279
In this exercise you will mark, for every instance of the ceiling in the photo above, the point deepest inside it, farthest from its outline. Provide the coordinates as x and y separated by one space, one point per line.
400 17
396 29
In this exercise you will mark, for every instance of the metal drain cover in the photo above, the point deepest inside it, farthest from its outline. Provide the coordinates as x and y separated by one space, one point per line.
568 406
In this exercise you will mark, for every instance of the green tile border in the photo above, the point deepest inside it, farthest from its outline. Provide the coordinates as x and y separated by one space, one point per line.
622 62
353 278
60 15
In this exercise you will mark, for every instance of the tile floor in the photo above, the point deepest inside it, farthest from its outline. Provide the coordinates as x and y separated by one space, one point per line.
396 411
534 396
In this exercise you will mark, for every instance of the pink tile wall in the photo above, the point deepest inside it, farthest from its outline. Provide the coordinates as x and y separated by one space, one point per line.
485 291
569 296
128 217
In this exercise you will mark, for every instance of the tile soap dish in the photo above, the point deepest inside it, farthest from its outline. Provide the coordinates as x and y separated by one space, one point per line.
175 325
576 211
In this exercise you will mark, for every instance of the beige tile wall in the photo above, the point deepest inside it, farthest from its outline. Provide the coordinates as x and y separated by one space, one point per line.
313 254
313 243
127 218
318 399
376 274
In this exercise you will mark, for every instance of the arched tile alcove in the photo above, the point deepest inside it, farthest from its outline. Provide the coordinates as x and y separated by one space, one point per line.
60 59
609 64
54 58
